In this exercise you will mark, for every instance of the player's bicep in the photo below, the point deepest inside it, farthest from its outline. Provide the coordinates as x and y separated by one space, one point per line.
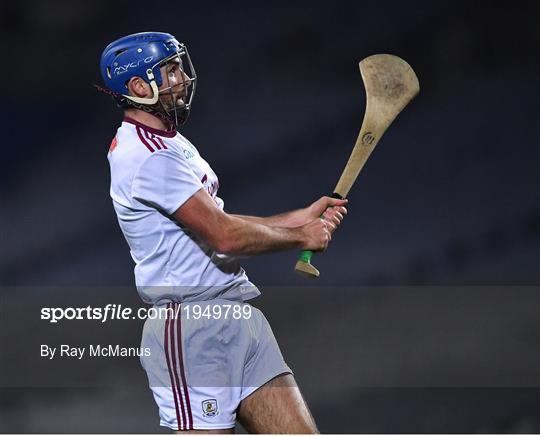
201 215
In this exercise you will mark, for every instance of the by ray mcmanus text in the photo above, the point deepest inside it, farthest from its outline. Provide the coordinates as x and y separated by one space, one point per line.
92 351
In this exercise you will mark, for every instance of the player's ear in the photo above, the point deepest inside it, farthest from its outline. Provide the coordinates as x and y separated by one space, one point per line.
137 87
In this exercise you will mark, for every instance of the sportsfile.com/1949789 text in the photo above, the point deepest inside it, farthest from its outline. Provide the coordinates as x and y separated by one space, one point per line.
112 312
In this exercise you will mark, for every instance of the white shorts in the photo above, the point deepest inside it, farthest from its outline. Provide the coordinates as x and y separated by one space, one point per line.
203 358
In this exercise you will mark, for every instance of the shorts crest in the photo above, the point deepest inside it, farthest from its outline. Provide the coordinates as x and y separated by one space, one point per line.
210 407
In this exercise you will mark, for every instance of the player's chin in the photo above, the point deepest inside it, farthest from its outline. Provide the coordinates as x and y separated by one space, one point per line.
169 105
176 101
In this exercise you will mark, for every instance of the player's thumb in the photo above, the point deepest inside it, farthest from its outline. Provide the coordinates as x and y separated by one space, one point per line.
336 201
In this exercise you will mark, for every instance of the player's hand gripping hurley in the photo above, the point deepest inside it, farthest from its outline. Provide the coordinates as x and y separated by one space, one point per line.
390 85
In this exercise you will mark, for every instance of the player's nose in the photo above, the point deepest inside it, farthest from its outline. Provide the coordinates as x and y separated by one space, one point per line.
184 79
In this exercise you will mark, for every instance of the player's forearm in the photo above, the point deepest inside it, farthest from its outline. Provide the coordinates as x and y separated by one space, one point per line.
290 219
243 237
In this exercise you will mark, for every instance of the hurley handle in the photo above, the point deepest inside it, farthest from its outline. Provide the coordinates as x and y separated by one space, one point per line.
303 264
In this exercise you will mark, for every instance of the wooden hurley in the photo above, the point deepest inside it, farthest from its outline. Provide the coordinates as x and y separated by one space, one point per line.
390 85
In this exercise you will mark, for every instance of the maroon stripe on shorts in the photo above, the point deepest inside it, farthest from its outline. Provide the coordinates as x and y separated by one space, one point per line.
172 328
173 386
147 145
149 136
182 372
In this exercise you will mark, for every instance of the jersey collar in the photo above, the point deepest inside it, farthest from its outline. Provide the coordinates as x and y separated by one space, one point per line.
166 133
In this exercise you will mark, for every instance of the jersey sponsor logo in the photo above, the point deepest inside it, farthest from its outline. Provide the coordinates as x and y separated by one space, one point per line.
188 153
210 407
211 188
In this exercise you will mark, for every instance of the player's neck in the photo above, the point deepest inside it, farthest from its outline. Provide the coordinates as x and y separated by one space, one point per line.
146 119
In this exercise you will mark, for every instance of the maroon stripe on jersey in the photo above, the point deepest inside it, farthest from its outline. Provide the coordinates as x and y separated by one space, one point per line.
182 372
167 354
149 136
167 133
147 145
161 142
172 328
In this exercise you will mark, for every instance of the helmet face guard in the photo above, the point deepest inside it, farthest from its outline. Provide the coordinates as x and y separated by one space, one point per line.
145 55
178 85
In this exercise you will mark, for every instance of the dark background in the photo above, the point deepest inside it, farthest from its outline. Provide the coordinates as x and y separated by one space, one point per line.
446 211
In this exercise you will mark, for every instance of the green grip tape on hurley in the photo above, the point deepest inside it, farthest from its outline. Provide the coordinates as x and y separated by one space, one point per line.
303 265
305 256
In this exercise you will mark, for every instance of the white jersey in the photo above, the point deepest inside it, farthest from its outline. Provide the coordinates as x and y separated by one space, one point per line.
153 173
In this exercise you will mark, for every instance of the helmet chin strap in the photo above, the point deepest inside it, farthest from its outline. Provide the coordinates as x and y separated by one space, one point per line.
153 86
123 102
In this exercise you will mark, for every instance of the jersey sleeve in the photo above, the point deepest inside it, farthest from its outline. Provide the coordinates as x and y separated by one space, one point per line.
164 181
220 203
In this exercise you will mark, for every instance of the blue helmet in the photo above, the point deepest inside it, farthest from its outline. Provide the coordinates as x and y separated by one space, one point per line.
142 55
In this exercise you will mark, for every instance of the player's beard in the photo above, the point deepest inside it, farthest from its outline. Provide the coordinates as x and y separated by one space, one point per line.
172 103
173 100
